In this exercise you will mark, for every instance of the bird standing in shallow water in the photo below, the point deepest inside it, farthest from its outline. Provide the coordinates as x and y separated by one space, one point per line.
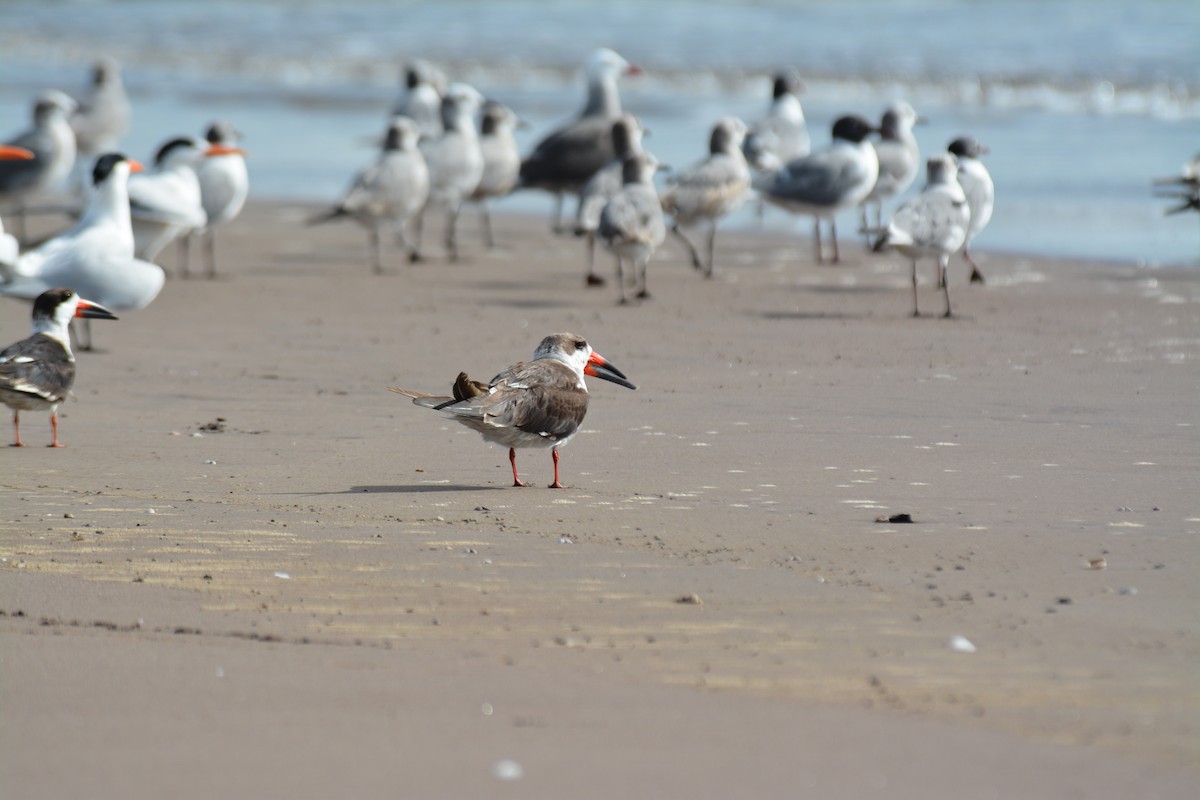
538 403
37 373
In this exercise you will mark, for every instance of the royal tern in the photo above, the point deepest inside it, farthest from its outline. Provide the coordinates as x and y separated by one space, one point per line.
980 191
538 403
454 160
101 120
37 373
899 160
501 160
165 201
564 161
933 224
782 135
224 187
627 133
631 224
421 100
9 247
52 143
829 181
391 190
710 189
96 257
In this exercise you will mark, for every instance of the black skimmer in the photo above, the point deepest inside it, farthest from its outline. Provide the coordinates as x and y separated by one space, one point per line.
96 257
10 248
501 160
52 143
899 161
632 225
392 189
627 133
538 403
782 135
454 160
829 181
224 187
977 185
933 224
710 189
37 373
564 161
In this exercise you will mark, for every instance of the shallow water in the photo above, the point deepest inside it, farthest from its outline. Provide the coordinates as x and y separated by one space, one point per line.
1082 103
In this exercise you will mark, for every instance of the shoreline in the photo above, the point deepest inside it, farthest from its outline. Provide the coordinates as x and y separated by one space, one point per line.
251 555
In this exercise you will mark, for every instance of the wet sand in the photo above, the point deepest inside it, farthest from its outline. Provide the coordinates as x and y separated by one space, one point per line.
254 572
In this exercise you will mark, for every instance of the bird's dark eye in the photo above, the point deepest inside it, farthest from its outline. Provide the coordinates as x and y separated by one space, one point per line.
580 344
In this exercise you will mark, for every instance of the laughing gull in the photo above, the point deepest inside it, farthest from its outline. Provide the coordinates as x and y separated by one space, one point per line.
9 247
454 160
828 181
421 100
538 403
631 224
96 256
933 224
627 135
391 190
501 160
899 161
52 143
564 161
782 135
101 120
38 372
710 189
224 187
977 185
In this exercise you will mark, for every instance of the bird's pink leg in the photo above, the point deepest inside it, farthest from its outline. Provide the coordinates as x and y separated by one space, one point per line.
54 429
556 484
512 457
17 430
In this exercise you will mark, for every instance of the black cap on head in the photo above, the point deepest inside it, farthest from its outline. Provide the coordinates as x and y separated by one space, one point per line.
853 128
966 146
104 166
786 82
48 302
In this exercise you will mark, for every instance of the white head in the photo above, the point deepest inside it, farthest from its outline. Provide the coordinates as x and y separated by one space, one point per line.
576 353
53 104
460 105
942 168
728 134
606 64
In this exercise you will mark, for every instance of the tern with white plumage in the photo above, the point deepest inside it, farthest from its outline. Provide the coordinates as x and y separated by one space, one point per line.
537 403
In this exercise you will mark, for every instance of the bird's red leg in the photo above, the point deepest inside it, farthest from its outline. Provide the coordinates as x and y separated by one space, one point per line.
556 484
512 456
54 429
17 430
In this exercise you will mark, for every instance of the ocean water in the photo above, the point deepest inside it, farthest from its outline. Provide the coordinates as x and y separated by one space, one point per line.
1082 102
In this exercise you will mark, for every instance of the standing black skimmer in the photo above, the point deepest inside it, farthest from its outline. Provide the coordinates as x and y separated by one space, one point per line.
454 160
392 189
933 224
710 189
538 403
828 181
632 225
980 190
95 258
627 133
38 372
899 161
224 187
52 143
564 161
501 160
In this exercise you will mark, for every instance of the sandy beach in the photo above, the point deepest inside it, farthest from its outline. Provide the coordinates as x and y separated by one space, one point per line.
254 572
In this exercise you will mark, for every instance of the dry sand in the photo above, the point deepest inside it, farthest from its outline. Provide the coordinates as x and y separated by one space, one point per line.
339 594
